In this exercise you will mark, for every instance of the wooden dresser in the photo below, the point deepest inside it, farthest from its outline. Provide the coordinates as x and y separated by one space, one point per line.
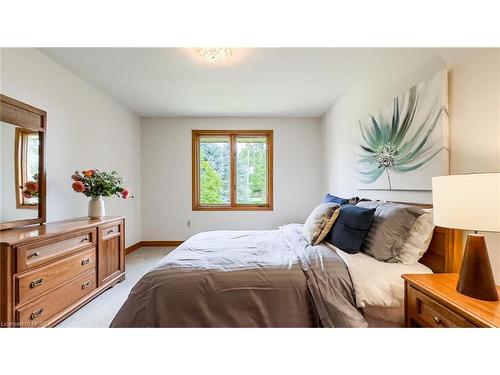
49 271
431 300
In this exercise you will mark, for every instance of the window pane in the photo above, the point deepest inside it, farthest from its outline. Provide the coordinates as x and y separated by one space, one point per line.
251 170
32 145
32 157
215 172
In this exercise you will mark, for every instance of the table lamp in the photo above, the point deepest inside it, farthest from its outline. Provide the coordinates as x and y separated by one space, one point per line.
470 202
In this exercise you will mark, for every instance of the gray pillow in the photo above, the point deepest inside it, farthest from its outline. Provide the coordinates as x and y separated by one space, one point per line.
390 229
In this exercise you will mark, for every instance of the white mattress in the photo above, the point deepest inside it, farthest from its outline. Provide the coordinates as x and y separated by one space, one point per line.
378 284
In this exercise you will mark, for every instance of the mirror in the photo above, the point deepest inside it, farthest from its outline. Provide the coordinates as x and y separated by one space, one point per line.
19 149
22 189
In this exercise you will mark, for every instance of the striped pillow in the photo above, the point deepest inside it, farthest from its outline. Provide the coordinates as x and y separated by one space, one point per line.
319 222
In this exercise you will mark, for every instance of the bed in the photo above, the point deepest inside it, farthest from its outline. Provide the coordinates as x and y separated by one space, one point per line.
274 278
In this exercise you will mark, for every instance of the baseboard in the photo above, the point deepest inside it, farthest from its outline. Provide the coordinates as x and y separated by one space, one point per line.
132 248
139 244
161 243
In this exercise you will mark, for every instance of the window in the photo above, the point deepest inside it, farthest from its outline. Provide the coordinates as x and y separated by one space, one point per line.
26 168
232 170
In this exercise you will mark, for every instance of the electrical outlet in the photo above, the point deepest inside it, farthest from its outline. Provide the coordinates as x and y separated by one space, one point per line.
188 223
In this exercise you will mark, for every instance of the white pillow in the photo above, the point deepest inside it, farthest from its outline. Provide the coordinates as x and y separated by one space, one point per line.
418 240
319 222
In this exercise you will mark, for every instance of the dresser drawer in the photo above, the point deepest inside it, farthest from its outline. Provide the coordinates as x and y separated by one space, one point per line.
110 231
32 284
33 255
430 313
42 311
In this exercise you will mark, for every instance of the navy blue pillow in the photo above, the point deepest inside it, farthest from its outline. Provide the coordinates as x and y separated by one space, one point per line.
350 228
333 199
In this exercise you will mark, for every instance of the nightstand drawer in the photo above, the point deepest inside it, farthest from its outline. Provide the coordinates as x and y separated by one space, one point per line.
430 313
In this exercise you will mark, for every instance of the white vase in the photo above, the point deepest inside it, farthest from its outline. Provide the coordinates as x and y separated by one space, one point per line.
96 208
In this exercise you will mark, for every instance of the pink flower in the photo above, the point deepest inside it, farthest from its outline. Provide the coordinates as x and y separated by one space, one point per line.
76 177
31 186
78 186
125 193
27 194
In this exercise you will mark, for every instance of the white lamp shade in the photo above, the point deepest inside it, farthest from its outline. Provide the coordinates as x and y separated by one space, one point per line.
470 201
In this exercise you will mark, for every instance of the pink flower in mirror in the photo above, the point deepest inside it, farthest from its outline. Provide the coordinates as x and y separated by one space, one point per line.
27 194
31 186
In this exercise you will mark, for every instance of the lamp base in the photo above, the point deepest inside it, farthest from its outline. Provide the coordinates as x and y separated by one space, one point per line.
476 277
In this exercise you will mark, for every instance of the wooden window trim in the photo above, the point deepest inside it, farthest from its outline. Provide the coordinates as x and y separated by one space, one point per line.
232 134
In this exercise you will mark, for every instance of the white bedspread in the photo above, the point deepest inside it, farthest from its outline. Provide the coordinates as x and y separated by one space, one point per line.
377 283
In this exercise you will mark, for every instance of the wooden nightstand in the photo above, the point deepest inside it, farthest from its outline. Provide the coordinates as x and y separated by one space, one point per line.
432 301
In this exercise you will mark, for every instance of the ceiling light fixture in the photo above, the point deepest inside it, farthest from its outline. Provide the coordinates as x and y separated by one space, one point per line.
214 54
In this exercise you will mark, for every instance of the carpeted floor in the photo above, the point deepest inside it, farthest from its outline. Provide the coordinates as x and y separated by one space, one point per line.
99 312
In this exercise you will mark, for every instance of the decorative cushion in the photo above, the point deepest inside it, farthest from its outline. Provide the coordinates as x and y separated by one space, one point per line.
351 228
333 199
419 239
319 222
390 229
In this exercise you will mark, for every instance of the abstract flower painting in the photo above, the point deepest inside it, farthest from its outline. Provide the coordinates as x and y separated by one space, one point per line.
405 144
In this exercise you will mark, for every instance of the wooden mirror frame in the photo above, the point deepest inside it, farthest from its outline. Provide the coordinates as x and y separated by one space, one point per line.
28 117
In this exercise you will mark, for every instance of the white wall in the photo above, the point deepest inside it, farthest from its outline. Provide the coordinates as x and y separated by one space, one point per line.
85 129
474 105
166 171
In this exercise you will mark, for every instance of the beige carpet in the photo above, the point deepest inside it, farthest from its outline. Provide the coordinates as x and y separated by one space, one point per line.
99 312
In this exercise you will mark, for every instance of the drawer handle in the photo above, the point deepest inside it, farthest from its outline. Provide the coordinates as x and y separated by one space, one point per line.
110 231
37 313
85 262
86 284
37 282
438 320
35 254
84 239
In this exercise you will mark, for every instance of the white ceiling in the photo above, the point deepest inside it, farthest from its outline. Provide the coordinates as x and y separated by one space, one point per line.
253 82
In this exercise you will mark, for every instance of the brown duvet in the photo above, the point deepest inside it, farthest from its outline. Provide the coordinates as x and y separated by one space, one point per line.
270 278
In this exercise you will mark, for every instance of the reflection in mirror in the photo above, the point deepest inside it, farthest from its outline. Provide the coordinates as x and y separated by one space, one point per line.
19 162
26 168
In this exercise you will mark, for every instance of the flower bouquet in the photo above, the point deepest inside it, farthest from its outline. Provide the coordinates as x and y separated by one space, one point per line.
30 188
96 184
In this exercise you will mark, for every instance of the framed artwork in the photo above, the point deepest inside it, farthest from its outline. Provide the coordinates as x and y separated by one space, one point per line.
405 143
